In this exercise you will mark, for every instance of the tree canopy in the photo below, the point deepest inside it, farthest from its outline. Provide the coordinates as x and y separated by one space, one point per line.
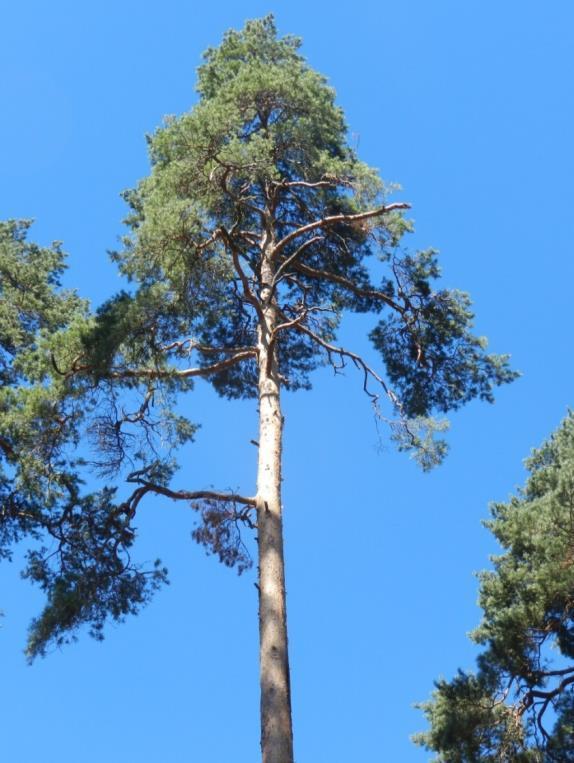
519 704
257 223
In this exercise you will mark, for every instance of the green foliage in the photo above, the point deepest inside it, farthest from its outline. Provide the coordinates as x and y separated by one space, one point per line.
90 577
417 436
79 555
519 705
432 359
255 206
266 148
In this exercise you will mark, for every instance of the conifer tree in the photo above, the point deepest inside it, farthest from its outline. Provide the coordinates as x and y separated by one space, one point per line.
519 704
257 228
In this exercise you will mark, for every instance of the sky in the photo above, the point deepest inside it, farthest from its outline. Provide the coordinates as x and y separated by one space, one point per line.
469 107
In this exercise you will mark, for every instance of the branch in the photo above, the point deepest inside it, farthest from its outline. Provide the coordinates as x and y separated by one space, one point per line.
199 495
305 311
545 698
178 495
318 184
228 169
211 240
156 373
293 257
342 281
549 695
249 295
334 219
7 448
190 344
357 360
563 672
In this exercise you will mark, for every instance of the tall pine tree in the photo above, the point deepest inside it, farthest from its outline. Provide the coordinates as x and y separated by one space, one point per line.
256 230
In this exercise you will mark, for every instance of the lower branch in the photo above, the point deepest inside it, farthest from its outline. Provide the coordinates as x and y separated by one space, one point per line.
357 360
165 373
179 495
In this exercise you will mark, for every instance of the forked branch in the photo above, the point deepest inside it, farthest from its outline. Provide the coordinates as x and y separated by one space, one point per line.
356 359
146 486
324 275
325 222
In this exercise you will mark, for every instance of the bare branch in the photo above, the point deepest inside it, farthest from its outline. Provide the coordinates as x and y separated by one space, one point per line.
285 264
188 345
325 222
342 281
549 695
305 312
247 291
251 236
357 360
188 495
333 183
228 169
172 373
211 240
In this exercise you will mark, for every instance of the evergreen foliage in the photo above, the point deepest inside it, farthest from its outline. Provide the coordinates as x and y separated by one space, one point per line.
257 227
79 543
519 705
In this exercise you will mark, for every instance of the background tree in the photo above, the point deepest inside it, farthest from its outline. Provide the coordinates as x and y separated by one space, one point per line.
257 228
519 705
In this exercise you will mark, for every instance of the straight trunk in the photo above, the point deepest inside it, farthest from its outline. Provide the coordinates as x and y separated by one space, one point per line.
276 727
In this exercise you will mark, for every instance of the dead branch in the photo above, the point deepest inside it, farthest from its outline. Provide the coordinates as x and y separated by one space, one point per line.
186 346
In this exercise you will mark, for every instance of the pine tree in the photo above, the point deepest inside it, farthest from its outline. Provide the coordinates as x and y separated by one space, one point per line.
256 230
519 705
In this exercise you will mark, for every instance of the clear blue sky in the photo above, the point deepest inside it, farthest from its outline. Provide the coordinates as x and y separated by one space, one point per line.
469 105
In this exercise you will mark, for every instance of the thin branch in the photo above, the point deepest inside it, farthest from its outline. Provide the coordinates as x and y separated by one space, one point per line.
334 219
358 361
334 183
7 448
549 695
199 495
248 293
156 373
285 264
342 281
305 311
250 236
188 345
211 240
228 169
564 672
179 495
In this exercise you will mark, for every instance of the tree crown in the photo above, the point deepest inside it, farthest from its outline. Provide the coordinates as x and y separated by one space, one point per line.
255 206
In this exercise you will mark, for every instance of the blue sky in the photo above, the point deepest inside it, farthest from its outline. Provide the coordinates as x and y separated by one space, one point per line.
469 106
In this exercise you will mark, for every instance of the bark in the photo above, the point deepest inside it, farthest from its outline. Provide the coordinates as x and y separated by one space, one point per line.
276 726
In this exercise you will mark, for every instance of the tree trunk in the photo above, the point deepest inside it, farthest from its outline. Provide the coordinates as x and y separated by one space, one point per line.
276 727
